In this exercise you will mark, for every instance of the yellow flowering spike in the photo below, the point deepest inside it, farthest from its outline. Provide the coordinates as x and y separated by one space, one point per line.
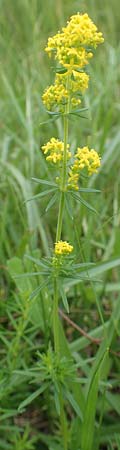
75 102
87 158
84 158
73 58
55 148
79 81
82 29
63 248
70 44
57 94
69 57
73 180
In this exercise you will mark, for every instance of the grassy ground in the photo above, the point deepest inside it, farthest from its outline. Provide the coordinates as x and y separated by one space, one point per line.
25 228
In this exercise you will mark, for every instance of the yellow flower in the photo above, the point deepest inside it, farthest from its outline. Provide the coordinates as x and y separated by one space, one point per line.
82 30
70 45
73 58
87 158
55 148
58 93
73 180
84 158
55 95
63 248
79 82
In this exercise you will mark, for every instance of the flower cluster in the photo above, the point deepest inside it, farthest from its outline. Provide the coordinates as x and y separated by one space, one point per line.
55 95
84 158
79 81
70 45
72 48
58 93
63 248
55 148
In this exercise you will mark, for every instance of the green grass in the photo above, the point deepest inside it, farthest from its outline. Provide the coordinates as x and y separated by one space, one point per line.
25 228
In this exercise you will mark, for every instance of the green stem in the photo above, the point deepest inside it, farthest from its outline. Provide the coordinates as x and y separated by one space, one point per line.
55 306
56 319
64 171
63 421
60 216
57 350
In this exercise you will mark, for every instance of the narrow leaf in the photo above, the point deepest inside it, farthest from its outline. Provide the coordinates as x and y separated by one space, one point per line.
31 274
31 397
49 120
69 209
54 113
78 110
61 70
41 194
114 401
74 404
38 289
81 265
88 190
81 200
51 202
100 268
90 409
40 181
38 262
64 299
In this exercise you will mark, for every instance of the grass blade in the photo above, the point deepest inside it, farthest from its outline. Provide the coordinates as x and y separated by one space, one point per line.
90 409
31 397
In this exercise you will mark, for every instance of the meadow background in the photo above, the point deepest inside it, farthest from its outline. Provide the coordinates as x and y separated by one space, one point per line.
25 227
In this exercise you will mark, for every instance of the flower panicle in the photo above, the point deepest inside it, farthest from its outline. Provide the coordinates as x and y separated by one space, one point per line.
57 94
85 158
54 149
70 46
88 158
63 248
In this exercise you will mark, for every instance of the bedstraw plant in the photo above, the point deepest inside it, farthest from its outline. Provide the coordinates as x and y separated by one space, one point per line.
57 370
60 312
72 48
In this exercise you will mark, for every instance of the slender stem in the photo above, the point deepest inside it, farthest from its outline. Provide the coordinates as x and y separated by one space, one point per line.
64 171
57 350
56 319
63 421
60 216
55 306
65 146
